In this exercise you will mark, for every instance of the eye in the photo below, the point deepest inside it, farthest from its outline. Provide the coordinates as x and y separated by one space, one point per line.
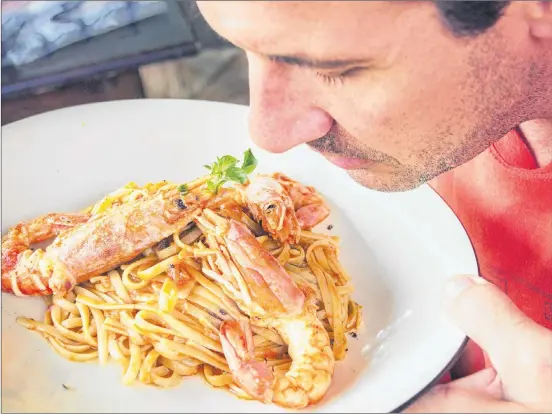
337 78
330 79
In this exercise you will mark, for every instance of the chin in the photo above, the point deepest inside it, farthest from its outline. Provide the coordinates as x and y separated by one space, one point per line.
388 182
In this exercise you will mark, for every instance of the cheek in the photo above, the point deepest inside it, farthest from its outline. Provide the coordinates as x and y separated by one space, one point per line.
377 110
402 114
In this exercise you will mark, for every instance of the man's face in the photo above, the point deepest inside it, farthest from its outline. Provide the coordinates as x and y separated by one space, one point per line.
383 90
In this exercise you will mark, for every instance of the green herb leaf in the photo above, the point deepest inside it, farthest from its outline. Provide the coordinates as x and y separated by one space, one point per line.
223 164
225 169
211 187
249 162
236 174
183 189
214 185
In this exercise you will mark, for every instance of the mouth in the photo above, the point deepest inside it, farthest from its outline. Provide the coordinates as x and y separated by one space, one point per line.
348 163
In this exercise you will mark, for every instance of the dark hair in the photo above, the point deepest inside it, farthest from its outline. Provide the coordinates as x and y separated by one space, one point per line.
470 18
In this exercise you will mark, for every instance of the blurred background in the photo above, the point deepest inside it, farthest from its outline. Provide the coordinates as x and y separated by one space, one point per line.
64 53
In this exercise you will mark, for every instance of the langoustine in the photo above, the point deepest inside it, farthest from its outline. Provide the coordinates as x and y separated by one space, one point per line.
284 206
277 303
86 245
310 207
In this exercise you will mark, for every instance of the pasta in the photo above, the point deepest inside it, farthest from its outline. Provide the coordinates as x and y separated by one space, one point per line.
158 316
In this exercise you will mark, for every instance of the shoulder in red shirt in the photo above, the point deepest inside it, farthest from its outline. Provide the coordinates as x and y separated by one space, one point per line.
504 202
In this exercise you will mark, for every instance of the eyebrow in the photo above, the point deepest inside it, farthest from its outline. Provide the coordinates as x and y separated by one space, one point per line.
304 61
314 63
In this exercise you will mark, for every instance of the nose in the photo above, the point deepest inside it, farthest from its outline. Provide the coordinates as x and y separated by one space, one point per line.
283 110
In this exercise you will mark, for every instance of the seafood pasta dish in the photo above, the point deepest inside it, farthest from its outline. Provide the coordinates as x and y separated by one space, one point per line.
221 277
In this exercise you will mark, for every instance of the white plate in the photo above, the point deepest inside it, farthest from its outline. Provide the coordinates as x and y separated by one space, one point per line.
399 248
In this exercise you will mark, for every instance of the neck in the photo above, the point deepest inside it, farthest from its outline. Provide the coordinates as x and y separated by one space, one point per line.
538 137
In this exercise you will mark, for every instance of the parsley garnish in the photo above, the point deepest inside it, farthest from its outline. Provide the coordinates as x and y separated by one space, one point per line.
249 162
225 169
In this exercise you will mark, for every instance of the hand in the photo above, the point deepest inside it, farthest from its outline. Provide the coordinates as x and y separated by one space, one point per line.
519 349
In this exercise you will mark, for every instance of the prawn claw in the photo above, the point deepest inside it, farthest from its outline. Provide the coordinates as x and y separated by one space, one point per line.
255 377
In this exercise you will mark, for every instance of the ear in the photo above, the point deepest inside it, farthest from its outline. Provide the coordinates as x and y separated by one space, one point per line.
539 18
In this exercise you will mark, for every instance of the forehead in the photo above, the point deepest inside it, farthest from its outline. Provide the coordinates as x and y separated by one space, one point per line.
339 28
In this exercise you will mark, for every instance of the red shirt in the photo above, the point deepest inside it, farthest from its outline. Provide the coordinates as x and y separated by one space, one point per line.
504 202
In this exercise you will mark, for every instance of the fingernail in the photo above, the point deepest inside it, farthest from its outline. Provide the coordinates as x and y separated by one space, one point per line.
460 283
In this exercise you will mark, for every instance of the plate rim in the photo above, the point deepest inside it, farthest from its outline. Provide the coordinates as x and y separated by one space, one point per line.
435 380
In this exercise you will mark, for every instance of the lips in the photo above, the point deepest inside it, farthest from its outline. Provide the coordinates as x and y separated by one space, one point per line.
349 163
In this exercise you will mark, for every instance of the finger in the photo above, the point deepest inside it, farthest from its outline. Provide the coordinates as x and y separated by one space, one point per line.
454 398
484 382
518 347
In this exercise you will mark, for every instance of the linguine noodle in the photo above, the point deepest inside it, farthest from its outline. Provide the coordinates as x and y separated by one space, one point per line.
159 315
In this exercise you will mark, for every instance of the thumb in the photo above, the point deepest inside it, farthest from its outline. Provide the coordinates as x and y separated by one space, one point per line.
518 348
477 393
